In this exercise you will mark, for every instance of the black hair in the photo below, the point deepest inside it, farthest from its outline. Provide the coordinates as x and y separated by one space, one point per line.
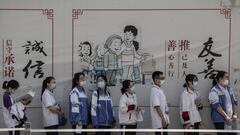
131 28
105 79
76 78
10 84
85 43
214 82
219 75
190 78
45 82
125 85
156 74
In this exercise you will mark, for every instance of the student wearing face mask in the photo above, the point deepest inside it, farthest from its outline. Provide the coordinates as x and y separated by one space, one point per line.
223 103
78 104
128 107
50 107
190 104
158 103
102 107
9 105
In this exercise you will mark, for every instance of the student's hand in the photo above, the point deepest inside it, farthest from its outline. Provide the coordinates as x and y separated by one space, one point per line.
188 126
234 117
25 101
200 106
130 108
164 123
61 113
228 119
139 109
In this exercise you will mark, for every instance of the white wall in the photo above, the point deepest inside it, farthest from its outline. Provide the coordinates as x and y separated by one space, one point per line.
155 26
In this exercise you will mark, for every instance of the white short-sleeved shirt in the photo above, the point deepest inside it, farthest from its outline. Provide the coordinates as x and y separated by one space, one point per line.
187 104
49 118
127 117
158 98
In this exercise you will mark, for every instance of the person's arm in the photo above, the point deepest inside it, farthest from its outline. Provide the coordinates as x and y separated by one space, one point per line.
159 111
214 101
25 101
7 103
46 99
156 104
235 103
94 109
75 112
123 105
185 105
55 110
221 111
114 119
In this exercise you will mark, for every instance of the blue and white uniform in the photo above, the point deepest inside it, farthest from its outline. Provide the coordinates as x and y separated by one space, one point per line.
78 106
224 97
102 110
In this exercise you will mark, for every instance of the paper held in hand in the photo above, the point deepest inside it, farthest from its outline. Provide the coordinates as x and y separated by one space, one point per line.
29 95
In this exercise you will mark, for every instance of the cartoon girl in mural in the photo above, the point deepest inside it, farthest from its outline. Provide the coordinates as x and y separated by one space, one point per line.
99 61
86 58
130 57
112 59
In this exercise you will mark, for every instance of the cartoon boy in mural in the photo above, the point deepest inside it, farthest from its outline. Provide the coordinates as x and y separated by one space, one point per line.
112 59
86 58
99 61
131 59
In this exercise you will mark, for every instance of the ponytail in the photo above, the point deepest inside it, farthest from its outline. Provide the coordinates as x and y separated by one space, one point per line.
185 85
4 86
44 84
10 84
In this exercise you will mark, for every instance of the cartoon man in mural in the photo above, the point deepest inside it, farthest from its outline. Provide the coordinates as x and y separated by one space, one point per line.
86 58
112 58
131 59
99 61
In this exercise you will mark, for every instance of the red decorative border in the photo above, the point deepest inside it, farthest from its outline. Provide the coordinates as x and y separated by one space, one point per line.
49 13
225 11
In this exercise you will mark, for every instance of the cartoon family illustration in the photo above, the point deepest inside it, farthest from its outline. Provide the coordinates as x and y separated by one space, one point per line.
118 58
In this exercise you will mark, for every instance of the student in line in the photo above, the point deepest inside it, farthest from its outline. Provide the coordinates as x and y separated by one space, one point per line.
190 104
223 104
78 104
11 118
102 107
158 103
128 107
50 107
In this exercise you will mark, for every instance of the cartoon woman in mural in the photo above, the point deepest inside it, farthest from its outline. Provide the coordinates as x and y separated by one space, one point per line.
86 58
131 59
99 61
112 59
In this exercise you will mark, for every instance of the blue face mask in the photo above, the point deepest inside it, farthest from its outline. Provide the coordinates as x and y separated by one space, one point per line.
101 85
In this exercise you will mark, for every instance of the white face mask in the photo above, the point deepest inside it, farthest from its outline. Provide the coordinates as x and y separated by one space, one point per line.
162 82
226 82
132 88
101 84
195 83
53 86
82 83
